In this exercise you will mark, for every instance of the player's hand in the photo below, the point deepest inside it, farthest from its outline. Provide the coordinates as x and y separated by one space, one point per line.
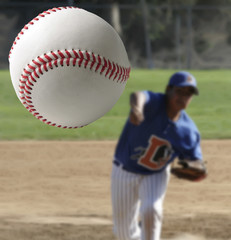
137 101
136 117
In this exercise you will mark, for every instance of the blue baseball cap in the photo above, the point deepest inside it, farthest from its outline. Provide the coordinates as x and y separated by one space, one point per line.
183 79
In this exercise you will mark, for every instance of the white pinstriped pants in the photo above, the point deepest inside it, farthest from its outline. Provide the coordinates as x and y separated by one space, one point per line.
137 196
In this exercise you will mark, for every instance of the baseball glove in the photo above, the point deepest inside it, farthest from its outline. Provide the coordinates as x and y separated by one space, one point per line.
191 173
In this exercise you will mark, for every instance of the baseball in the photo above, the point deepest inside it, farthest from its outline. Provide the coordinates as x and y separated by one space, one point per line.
68 67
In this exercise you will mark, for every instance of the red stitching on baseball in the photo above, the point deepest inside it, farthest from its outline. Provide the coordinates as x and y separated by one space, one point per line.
76 54
68 54
80 53
93 61
54 55
80 62
47 57
61 54
65 57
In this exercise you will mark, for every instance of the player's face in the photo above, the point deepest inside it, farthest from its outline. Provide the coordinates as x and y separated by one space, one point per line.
180 97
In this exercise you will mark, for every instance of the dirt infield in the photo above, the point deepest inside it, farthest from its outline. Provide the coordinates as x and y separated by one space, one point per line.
61 191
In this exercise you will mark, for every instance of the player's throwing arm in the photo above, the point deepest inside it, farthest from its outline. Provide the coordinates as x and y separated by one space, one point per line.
137 101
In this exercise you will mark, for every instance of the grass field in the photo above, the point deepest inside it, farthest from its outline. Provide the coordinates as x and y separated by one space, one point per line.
211 110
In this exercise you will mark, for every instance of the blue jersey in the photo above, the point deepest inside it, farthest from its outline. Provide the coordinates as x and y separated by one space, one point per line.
157 141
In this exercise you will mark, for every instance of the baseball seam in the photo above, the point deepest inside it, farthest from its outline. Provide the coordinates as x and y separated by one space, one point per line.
59 58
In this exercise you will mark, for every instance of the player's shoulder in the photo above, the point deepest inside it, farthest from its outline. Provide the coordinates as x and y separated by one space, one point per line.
153 96
187 121
188 129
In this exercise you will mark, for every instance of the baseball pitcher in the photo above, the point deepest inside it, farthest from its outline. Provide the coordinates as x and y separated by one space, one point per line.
157 131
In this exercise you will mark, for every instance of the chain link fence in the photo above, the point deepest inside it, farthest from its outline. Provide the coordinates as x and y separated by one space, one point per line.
179 37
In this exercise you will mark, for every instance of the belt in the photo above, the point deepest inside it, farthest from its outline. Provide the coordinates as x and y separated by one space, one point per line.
119 164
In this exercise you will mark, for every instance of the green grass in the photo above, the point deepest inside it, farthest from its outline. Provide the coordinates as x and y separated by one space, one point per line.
211 111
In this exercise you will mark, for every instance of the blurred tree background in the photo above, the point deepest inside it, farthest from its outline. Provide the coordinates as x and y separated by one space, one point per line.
156 33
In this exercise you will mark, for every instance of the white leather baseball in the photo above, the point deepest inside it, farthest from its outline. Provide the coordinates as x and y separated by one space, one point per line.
68 67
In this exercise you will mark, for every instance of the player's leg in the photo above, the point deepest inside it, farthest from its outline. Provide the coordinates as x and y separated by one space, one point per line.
152 193
125 204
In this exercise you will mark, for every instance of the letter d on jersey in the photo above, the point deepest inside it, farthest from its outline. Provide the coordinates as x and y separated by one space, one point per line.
157 153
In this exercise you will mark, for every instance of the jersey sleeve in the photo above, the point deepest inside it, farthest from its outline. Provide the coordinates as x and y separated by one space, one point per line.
151 105
192 149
